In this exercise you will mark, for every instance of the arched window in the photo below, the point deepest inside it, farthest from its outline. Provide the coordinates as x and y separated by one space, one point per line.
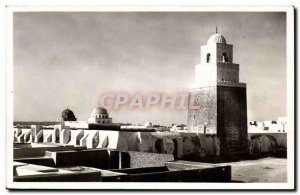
224 58
208 57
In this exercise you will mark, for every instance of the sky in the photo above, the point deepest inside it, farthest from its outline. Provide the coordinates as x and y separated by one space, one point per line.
69 59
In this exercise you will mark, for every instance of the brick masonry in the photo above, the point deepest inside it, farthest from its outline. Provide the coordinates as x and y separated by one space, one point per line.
206 115
223 111
232 119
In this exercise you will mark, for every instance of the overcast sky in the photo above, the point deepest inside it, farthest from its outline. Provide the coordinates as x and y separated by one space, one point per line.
69 59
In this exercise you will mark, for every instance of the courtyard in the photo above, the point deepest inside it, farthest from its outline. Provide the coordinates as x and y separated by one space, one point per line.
268 169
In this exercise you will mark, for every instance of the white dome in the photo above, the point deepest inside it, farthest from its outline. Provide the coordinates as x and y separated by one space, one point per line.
99 110
148 124
216 38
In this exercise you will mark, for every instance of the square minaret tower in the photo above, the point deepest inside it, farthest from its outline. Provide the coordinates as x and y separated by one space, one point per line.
217 100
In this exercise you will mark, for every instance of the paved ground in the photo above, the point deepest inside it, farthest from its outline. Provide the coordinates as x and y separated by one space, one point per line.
261 170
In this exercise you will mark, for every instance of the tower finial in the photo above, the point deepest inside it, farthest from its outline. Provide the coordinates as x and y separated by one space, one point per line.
216 29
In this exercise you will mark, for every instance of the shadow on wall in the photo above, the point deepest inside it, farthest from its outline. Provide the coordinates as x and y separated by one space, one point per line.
201 145
273 144
259 146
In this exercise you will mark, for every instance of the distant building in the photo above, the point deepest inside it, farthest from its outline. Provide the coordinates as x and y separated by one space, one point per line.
219 96
179 128
278 126
100 116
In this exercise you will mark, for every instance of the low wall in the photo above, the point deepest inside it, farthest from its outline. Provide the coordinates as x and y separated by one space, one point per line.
71 177
97 158
179 144
44 161
132 159
268 143
164 174
28 152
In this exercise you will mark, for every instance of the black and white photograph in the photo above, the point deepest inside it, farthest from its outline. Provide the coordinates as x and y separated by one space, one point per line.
150 98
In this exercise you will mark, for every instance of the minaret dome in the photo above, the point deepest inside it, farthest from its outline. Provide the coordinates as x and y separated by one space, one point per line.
216 38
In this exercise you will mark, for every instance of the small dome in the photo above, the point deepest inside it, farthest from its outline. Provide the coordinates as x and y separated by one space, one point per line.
67 114
216 38
148 124
100 110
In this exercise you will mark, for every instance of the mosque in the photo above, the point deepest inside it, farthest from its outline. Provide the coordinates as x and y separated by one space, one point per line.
221 98
217 126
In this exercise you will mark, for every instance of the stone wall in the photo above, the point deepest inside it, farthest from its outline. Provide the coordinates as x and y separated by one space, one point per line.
232 119
201 145
177 144
268 143
206 115
97 158
131 159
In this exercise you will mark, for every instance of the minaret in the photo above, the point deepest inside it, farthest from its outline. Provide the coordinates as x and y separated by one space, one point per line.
219 97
